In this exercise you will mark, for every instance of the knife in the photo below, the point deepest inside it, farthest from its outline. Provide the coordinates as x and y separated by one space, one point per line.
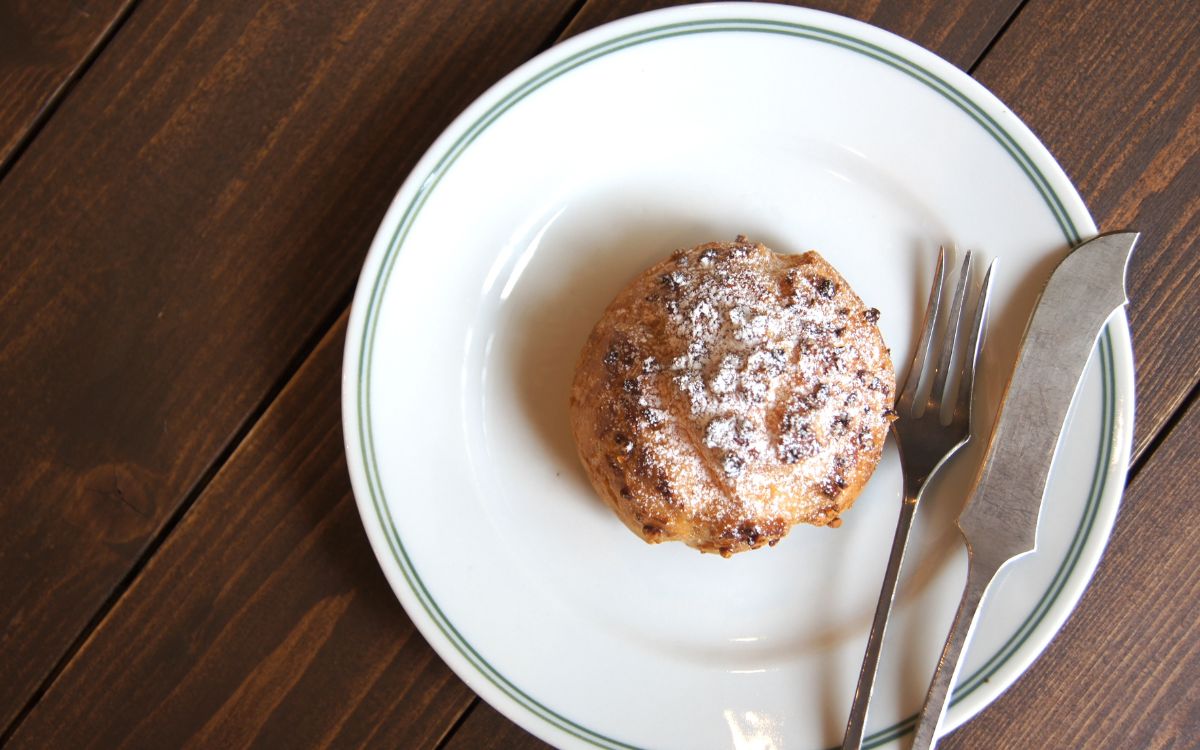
999 520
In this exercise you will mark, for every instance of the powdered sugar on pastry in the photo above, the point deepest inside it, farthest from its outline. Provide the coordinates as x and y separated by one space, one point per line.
730 392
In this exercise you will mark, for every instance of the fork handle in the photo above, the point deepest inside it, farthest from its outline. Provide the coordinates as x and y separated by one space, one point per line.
979 577
856 724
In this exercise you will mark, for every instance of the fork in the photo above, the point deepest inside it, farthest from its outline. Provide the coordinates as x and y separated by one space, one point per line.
933 422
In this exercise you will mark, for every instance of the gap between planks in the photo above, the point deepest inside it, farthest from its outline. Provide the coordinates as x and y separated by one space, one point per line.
252 418
309 345
61 93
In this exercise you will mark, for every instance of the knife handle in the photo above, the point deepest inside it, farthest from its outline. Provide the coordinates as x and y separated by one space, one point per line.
979 577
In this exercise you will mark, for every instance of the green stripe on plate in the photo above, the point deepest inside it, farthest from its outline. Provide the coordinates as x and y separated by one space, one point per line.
539 79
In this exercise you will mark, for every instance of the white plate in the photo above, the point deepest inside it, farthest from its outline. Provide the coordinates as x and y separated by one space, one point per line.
799 129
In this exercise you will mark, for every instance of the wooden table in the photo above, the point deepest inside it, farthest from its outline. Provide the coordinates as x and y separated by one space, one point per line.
187 191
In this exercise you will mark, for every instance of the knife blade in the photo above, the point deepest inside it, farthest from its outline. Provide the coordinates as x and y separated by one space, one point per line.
999 519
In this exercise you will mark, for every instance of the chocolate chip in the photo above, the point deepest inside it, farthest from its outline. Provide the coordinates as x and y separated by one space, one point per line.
620 353
750 533
625 493
811 400
872 315
790 453
826 288
672 281
787 285
791 422
733 465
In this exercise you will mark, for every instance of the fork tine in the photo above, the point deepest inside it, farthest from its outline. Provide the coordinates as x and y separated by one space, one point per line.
974 343
917 368
925 442
940 393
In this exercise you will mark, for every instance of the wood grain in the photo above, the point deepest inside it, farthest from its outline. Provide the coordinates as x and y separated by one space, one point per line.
264 619
958 31
485 729
1112 89
193 217
1125 671
183 230
44 44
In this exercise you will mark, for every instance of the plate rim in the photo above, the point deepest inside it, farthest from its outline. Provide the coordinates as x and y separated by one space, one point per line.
1048 177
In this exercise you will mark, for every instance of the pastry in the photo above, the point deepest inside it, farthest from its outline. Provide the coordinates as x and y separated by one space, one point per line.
729 393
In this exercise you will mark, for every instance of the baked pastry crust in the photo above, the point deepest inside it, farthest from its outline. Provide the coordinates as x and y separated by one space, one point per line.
729 393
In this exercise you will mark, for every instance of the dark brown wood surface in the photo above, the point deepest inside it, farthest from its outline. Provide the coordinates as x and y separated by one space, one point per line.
264 618
44 47
180 558
1112 88
181 231
959 32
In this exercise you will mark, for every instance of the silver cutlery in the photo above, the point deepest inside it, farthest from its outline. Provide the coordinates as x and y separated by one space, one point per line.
934 421
999 520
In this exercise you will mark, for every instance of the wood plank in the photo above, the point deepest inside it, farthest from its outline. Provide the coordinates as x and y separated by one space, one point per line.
1112 90
264 619
1125 671
470 729
43 47
485 729
180 233
958 31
